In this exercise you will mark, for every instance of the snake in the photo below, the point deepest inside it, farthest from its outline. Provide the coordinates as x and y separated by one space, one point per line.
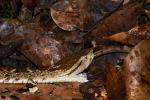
67 70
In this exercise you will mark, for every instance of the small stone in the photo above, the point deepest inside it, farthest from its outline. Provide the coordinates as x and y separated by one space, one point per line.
96 95
33 90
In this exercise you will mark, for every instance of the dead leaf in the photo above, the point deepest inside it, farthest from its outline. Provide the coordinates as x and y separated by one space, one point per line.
114 83
37 44
70 15
9 49
133 36
44 51
119 21
30 4
136 72
81 14
45 91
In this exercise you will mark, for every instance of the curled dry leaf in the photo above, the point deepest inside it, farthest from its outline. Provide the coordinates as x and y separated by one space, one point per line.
136 72
117 21
133 36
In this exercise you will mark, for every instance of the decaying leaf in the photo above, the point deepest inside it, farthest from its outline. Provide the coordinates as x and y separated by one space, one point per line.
48 38
7 50
114 83
25 14
81 14
97 9
133 36
41 48
45 91
44 51
69 14
136 72
117 21
30 4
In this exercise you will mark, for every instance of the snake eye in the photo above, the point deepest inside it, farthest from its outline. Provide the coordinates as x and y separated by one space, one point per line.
86 57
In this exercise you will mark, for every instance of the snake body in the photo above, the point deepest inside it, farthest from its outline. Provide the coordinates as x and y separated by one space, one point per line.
65 71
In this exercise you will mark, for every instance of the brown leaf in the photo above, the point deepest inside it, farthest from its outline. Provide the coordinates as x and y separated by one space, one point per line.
97 9
42 49
57 91
119 21
136 72
7 50
70 15
81 14
30 4
133 36
114 83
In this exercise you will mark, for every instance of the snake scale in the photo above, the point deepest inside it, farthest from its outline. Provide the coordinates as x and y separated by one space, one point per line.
66 70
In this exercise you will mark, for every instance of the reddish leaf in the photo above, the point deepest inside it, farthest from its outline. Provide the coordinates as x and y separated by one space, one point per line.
117 21
133 36
136 72
114 83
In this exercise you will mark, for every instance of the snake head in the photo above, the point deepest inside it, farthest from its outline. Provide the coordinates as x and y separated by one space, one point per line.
82 63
